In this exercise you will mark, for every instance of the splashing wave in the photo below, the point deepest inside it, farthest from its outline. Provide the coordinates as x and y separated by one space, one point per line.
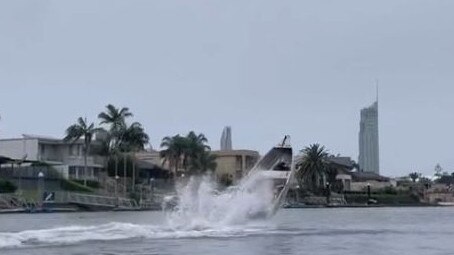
200 204
202 211
116 231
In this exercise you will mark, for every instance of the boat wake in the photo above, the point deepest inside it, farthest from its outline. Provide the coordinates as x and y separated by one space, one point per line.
202 211
115 231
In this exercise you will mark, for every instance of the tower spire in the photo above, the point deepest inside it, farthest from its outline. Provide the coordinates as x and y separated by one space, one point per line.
376 87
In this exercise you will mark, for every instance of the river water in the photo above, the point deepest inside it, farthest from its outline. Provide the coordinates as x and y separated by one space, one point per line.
292 231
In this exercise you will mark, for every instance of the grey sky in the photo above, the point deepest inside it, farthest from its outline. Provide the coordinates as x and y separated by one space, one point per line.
267 68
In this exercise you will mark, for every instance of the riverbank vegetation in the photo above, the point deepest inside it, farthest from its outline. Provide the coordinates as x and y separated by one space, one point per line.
7 186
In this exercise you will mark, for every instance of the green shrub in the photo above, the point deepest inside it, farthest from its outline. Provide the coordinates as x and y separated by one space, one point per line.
356 198
90 183
390 190
135 196
384 199
7 186
74 186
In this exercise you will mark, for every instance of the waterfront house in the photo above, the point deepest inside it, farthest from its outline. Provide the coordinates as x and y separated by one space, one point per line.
358 180
66 158
234 164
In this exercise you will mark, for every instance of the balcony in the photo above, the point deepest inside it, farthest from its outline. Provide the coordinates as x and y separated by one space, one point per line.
79 161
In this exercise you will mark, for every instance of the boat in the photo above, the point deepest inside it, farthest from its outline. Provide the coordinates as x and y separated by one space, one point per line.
277 165
276 169
445 203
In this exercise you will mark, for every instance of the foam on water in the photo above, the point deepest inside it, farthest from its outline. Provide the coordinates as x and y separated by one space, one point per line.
202 211
111 232
201 205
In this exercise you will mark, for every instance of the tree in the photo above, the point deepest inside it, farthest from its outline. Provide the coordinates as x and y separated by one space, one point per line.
313 167
174 149
190 153
203 162
133 138
82 129
115 118
446 178
414 176
197 152
438 170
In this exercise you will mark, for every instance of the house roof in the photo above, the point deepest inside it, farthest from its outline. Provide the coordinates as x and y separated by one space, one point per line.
6 160
346 162
368 176
146 164
221 153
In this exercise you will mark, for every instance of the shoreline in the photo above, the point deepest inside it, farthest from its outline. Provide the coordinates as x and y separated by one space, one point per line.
73 210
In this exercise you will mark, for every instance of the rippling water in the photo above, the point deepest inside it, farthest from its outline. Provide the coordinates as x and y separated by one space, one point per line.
298 231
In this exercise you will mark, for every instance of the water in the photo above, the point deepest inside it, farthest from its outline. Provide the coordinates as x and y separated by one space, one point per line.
295 231
235 221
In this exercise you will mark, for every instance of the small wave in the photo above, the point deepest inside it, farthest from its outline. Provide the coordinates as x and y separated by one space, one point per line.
115 231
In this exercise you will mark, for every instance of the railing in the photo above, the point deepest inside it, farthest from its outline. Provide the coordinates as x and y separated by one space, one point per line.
14 201
321 200
95 200
29 172
112 186
79 160
149 204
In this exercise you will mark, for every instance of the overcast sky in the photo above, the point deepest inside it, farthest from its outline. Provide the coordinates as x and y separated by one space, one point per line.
267 68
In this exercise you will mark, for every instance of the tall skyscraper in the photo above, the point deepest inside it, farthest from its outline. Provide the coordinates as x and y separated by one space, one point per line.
369 158
226 139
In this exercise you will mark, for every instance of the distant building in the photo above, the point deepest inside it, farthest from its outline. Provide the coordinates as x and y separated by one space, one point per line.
344 167
151 171
67 158
234 164
226 139
359 181
369 159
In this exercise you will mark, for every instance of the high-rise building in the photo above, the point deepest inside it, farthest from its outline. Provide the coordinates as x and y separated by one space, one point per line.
226 139
369 155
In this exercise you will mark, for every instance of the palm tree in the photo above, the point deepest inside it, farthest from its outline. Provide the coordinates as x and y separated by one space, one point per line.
174 149
195 146
81 129
414 176
188 152
115 118
203 162
133 139
313 167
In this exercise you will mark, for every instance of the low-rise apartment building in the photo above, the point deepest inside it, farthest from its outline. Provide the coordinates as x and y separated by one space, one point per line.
235 163
67 158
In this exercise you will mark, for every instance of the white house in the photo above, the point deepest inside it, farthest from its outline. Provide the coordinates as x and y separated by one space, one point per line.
67 158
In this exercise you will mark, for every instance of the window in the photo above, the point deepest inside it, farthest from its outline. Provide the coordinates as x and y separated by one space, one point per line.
72 172
239 163
72 150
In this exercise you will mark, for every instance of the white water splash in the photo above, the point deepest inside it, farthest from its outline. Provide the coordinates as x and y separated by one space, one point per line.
201 205
112 232
202 211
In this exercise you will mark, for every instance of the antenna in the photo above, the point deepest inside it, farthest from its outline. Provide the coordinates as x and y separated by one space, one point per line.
376 85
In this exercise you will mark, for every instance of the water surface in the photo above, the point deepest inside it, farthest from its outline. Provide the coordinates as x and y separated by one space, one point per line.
294 231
